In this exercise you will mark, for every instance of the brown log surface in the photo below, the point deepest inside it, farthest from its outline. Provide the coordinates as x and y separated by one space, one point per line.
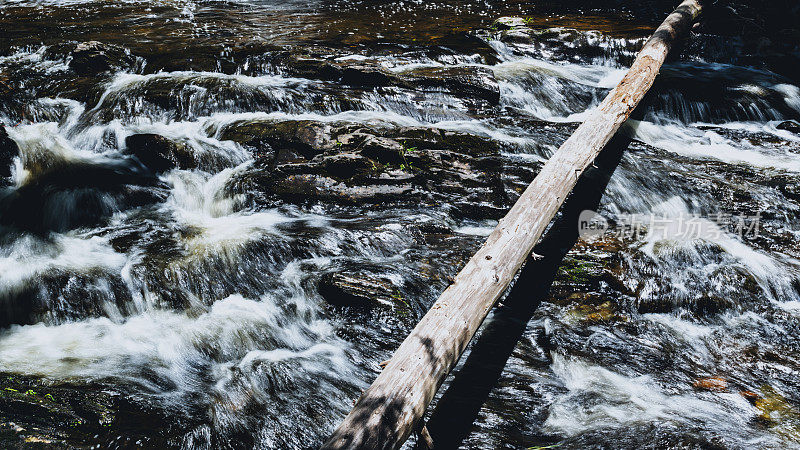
391 408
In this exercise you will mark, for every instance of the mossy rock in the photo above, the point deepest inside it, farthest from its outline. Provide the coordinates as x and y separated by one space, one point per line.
41 413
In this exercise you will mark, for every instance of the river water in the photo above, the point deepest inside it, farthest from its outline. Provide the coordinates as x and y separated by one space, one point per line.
195 301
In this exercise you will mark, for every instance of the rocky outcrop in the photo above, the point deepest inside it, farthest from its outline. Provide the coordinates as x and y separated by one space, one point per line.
463 81
160 154
92 58
789 125
38 413
8 151
293 140
357 288
303 161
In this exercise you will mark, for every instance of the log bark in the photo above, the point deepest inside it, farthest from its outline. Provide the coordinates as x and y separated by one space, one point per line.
388 411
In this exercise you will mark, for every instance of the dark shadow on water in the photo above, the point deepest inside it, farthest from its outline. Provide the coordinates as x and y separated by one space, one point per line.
451 420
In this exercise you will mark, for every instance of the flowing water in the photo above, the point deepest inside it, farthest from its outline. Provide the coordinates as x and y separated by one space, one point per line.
197 300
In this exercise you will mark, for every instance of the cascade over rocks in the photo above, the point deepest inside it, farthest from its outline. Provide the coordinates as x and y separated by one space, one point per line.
462 81
465 81
77 193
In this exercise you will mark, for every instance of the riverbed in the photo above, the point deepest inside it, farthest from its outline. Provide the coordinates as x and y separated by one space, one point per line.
217 218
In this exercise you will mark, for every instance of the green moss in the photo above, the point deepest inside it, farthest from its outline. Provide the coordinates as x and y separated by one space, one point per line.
778 413
399 300
578 270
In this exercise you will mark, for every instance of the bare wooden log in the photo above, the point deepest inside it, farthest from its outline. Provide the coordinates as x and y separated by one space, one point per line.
392 406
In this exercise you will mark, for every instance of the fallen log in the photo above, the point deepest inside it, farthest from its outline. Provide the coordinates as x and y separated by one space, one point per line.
391 408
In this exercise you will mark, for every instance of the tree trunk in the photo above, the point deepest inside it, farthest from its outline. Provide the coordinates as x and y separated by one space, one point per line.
390 409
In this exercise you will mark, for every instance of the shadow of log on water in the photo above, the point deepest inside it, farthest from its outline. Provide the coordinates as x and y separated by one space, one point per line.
451 420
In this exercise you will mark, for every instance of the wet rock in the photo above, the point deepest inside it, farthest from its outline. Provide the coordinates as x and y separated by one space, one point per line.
355 164
75 194
583 271
8 151
473 208
594 314
789 125
464 43
461 81
640 435
791 191
453 141
521 35
61 296
751 396
310 67
92 58
715 384
160 154
357 288
304 188
504 23
709 305
365 76
304 137
777 411
32 413
39 413
348 165
383 149
564 44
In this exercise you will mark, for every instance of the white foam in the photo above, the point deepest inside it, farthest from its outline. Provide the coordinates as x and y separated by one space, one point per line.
590 75
201 201
696 143
622 400
42 146
29 257
170 343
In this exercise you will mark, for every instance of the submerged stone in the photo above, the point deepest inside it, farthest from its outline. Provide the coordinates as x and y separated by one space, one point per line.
776 411
595 314
716 384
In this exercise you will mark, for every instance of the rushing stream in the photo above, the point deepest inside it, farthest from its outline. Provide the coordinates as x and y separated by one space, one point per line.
218 217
